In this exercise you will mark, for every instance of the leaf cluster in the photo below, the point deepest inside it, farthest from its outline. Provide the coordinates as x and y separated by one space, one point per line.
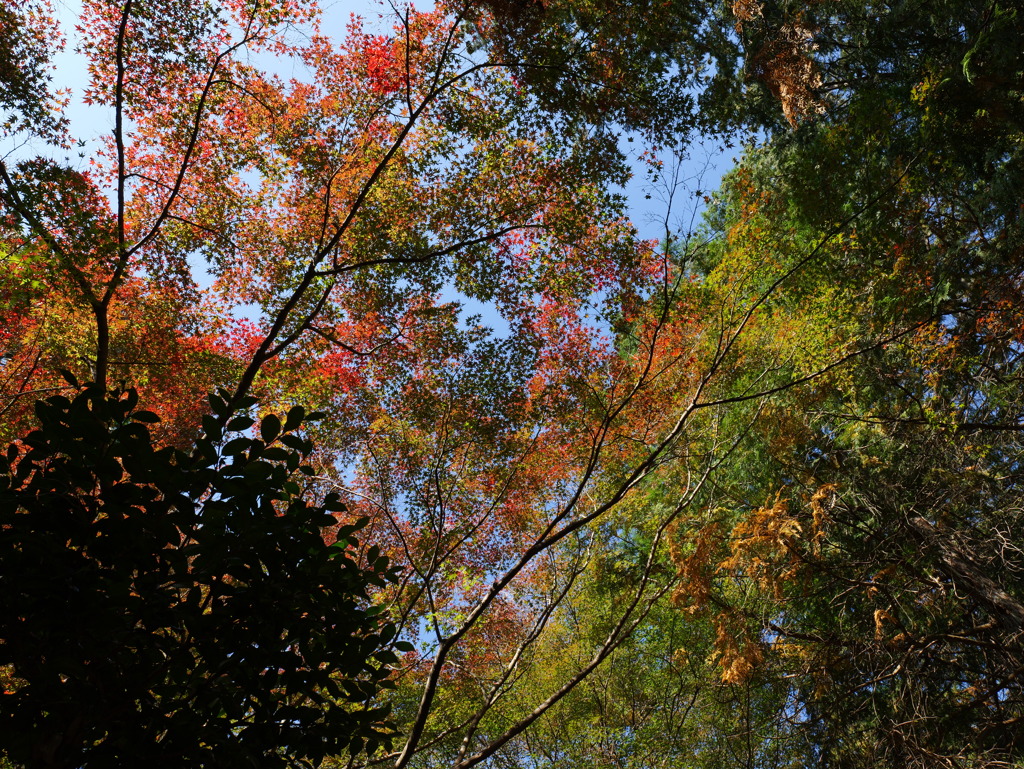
181 607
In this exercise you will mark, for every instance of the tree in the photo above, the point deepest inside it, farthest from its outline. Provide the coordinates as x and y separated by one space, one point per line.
644 399
339 206
865 550
180 608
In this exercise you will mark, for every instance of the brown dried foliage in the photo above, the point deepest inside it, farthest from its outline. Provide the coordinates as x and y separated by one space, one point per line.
783 62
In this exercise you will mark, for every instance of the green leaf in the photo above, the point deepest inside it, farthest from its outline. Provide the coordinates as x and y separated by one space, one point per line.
295 417
237 424
270 427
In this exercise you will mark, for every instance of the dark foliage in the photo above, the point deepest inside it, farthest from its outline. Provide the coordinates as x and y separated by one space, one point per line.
166 608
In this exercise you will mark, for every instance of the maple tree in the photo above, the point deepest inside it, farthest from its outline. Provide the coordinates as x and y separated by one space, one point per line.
334 209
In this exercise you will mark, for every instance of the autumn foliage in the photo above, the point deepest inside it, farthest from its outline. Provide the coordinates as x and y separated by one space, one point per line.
744 493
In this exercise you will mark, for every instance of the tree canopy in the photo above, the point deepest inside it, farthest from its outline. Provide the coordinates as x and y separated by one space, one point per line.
747 495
